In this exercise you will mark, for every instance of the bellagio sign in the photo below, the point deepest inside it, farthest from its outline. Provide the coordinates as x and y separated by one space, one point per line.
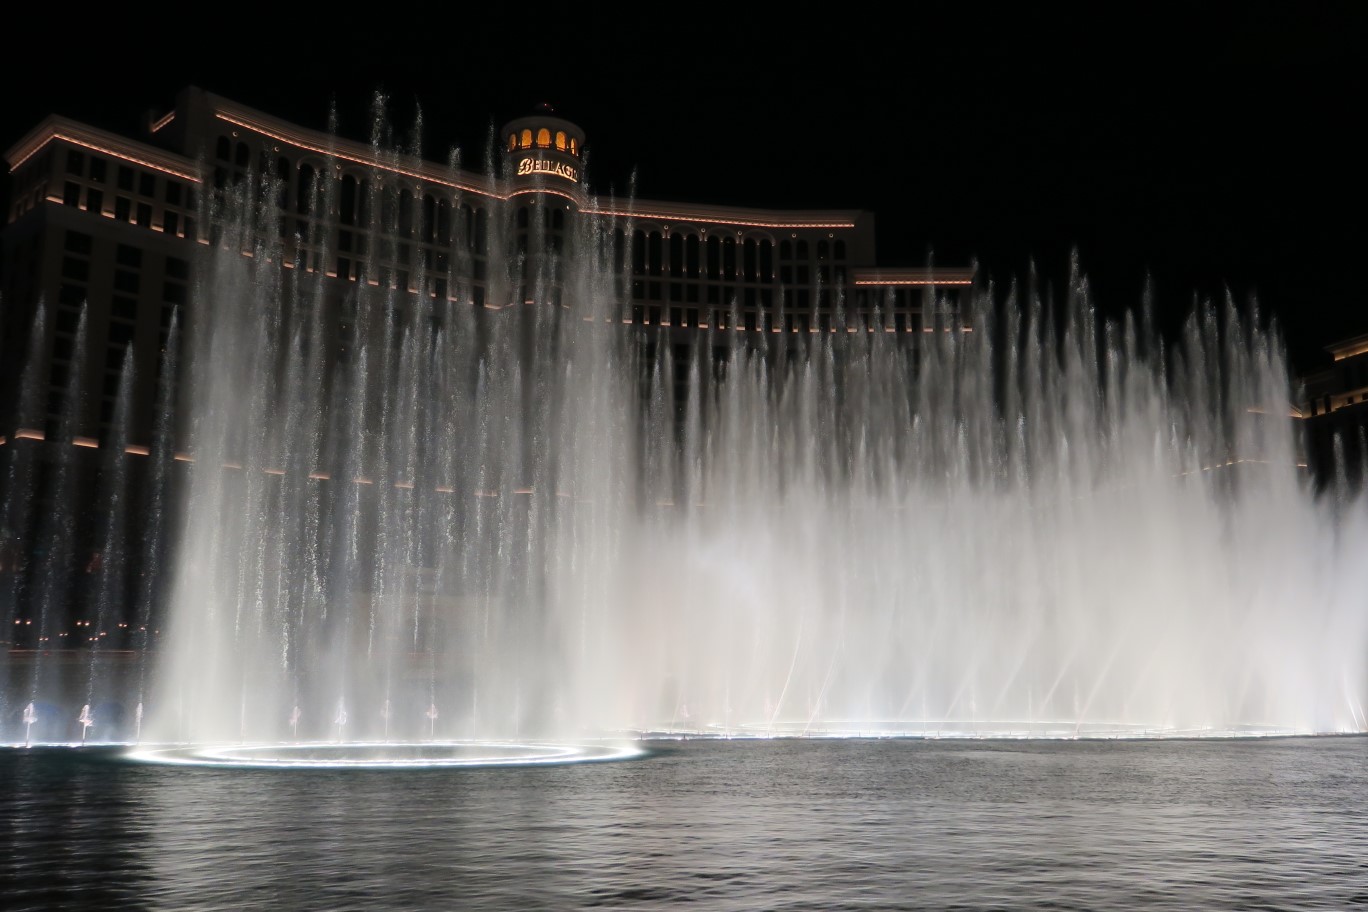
542 166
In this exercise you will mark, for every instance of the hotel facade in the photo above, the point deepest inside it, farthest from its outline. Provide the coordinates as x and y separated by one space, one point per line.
119 225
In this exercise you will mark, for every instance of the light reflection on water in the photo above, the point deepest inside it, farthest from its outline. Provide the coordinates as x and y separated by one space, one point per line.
785 824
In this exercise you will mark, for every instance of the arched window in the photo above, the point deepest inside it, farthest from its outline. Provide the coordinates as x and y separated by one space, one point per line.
543 138
802 250
714 257
526 139
346 202
242 155
785 250
443 222
557 219
429 218
654 252
729 259
639 253
677 255
749 260
840 250
560 140
512 141
363 203
224 149
481 231
823 250
405 213
574 146
522 216
304 190
767 260
691 256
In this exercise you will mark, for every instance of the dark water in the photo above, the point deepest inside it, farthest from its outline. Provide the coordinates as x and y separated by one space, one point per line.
707 825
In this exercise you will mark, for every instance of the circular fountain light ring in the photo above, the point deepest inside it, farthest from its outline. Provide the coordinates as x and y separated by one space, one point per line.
385 755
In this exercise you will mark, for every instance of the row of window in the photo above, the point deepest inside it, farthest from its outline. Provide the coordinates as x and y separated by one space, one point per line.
543 139
129 178
761 321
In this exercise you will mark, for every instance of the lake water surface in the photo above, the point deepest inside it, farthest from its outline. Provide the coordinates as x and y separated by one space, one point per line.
754 824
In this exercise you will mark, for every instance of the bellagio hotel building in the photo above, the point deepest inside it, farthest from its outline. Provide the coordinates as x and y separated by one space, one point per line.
118 225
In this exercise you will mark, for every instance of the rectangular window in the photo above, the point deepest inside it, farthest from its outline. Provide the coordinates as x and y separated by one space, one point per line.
123 208
97 169
170 222
125 178
120 333
76 242
147 184
75 162
173 192
176 268
94 200
144 215
73 268
128 256
71 295
71 193
126 282
124 308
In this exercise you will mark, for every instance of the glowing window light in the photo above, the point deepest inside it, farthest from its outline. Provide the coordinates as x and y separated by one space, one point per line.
29 434
526 142
90 443
560 140
784 223
914 281
543 138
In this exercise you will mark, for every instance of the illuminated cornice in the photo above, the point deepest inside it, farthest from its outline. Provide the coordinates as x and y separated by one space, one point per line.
735 216
905 278
331 146
1349 347
60 129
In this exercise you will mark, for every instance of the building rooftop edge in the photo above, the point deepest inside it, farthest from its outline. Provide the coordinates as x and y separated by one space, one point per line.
55 127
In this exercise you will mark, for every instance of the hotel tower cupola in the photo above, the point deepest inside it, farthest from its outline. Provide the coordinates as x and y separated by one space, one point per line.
544 154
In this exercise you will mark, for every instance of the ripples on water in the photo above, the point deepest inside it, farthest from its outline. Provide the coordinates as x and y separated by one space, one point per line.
708 825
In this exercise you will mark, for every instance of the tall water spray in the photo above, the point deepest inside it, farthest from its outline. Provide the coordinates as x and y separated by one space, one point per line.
402 517
534 520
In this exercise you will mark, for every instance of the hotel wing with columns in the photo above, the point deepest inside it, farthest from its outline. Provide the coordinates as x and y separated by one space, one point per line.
117 225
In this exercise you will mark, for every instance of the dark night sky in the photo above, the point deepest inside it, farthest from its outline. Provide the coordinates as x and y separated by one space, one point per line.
1210 147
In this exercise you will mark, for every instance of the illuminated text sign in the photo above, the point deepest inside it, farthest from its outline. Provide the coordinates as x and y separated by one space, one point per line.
542 166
